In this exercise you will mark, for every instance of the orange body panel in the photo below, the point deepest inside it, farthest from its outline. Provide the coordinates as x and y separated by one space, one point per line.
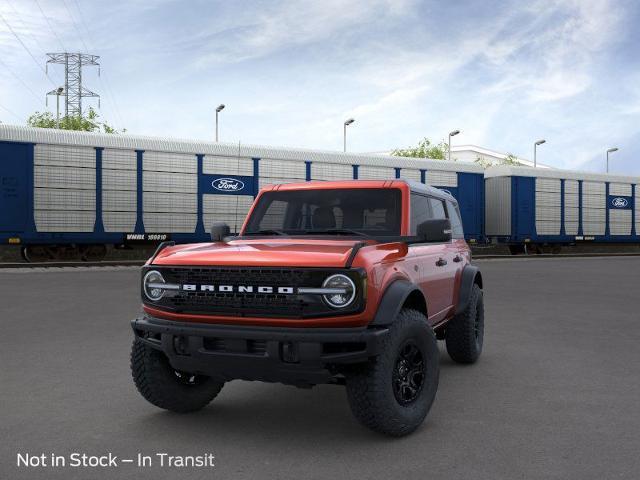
384 263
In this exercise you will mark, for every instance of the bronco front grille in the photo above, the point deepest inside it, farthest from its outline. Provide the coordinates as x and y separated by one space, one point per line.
250 304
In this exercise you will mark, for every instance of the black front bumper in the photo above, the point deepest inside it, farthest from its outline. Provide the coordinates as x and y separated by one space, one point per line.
298 356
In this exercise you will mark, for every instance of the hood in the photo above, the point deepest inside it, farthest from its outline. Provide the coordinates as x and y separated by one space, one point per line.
261 253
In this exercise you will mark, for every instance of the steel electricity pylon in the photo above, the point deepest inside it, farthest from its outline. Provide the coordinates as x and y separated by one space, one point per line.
73 89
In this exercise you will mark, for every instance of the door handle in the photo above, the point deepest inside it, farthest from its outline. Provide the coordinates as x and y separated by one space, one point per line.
441 262
457 258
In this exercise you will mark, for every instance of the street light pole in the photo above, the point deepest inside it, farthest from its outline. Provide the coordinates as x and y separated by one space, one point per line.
535 146
344 137
59 91
451 134
611 150
218 110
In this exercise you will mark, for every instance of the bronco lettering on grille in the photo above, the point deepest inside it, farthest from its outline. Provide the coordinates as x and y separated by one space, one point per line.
236 289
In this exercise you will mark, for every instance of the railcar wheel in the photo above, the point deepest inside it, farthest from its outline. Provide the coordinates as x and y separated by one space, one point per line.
37 253
93 253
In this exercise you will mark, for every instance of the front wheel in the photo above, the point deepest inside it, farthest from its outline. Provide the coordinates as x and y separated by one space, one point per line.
393 393
163 386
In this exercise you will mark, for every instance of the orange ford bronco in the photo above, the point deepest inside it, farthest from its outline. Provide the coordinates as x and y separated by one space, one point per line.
348 283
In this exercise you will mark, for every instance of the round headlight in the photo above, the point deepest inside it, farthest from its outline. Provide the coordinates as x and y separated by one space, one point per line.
152 285
345 291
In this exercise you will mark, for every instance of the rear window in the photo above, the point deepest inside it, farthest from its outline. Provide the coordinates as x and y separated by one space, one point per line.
456 222
370 211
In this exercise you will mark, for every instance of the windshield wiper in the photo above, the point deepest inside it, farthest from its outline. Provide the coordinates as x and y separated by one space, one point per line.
337 231
266 232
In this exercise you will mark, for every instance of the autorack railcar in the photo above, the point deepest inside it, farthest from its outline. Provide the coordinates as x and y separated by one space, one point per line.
540 210
67 191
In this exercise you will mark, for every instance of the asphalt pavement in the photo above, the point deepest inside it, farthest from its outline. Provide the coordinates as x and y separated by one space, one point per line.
555 394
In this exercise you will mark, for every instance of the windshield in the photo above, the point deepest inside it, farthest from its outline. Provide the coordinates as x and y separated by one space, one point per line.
362 211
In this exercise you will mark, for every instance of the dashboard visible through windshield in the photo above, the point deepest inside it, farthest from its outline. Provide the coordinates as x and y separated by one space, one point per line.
375 212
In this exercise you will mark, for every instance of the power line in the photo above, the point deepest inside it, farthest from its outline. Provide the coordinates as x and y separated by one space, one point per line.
10 112
50 26
75 25
26 30
27 49
106 84
35 95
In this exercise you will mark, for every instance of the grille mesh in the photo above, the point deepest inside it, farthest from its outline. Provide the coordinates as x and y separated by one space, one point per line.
246 304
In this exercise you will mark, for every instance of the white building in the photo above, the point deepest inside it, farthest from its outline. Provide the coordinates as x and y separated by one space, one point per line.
470 153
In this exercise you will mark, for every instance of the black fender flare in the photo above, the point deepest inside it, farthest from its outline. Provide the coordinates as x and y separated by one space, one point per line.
470 275
392 300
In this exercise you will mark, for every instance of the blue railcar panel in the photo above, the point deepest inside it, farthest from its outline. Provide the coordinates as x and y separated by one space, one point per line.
634 231
620 202
523 221
199 207
562 229
140 196
470 196
16 163
99 226
221 184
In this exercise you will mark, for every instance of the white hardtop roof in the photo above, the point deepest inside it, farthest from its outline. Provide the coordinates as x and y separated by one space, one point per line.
130 142
513 171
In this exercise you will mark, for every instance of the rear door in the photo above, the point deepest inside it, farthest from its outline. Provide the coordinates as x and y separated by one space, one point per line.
13 186
447 258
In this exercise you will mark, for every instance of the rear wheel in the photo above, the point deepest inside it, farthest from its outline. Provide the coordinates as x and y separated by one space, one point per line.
393 393
165 387
465 333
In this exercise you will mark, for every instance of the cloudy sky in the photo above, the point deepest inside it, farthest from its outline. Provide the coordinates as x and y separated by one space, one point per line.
505 73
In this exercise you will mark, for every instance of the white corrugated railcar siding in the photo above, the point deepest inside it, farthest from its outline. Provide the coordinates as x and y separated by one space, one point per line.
64 188
281 171
230 209
548 206
571 207
170 187
119 190
594 204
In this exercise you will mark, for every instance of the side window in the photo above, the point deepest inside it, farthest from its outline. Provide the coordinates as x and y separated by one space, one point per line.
437 206
420 211
456 221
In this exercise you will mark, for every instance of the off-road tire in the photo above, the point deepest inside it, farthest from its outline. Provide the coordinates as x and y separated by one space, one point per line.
465 333
370 387
161 385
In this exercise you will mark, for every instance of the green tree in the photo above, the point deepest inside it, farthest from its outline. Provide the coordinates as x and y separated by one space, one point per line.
510 159
87 123
424 149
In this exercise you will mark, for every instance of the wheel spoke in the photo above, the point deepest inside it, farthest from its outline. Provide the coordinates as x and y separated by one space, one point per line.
408 374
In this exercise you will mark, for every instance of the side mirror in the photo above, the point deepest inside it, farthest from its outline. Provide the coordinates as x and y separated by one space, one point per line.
435 230
219 230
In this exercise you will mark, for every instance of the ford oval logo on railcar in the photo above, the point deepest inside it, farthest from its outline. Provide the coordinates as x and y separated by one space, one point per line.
228 184
619 202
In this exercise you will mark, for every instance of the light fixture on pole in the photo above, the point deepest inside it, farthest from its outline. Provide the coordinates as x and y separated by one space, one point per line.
344 137
218 110
611 150
57 92
535 147
451 134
